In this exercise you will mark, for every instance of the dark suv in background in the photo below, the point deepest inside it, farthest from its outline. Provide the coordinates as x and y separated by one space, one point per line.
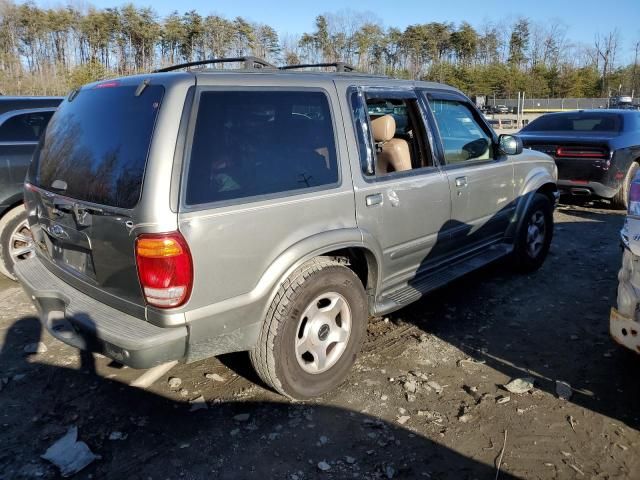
22 120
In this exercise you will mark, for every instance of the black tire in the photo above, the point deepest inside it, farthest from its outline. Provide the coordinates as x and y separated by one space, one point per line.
274 357
621 199
12 220
526 258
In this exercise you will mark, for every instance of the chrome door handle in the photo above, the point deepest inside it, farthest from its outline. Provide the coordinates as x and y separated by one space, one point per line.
375 199
461 182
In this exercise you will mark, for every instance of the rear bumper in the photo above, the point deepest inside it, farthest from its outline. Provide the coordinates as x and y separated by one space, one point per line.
587 188
82 322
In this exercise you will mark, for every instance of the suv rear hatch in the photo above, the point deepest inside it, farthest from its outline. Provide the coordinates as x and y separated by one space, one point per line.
84 184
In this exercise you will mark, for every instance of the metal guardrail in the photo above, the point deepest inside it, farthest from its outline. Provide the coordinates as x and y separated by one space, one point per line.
541 105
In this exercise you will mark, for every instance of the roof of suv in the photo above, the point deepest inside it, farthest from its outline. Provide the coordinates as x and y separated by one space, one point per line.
353 78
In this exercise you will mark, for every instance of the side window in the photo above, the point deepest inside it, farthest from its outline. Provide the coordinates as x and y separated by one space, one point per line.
249 143
396 128
463 138
25 127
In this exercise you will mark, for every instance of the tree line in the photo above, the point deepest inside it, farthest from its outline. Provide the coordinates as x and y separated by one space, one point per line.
52 50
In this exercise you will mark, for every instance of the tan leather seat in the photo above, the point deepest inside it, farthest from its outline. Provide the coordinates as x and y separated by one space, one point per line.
393 153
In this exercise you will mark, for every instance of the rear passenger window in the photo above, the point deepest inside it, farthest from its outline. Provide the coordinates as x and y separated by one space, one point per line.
396 128
256 143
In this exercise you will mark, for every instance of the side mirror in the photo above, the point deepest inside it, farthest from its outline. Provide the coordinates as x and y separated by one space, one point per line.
510 144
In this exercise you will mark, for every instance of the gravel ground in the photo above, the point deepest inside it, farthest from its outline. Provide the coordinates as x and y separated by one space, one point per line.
425 400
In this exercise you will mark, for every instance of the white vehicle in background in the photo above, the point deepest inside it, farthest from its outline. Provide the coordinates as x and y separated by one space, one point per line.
624 323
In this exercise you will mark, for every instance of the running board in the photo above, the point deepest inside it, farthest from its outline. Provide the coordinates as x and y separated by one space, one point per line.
426 283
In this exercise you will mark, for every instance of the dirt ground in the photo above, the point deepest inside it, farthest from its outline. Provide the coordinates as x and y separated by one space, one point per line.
456 348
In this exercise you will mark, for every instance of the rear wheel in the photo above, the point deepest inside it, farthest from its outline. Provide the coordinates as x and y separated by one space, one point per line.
621 199
16 242
313 331
533 239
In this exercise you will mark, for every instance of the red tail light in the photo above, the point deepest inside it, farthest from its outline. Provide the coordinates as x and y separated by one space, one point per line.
165 269
634 199
581 152
110 84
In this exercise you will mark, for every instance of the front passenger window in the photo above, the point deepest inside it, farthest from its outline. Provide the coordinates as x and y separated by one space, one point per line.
462 137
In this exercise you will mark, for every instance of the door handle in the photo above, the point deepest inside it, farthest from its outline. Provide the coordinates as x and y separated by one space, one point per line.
461 182
375 199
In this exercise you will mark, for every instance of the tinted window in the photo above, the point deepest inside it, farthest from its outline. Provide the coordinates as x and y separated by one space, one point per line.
98 144
576 122
24 127
259 143
462 136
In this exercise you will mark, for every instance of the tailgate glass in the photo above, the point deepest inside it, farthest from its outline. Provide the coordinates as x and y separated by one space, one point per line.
95 147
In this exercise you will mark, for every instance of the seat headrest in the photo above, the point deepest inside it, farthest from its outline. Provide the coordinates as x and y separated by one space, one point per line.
383 128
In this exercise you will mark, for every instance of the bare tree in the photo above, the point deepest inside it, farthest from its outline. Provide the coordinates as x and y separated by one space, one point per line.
606 48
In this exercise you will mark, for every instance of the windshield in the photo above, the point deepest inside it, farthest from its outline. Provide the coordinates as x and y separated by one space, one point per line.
577 122
95 147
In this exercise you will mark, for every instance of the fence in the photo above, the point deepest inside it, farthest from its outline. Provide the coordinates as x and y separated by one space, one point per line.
541 105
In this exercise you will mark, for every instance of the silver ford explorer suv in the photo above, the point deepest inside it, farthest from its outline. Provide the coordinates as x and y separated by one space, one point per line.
180 215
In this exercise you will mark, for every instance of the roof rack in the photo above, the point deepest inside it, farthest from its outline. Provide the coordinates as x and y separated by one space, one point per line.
340 66
249 63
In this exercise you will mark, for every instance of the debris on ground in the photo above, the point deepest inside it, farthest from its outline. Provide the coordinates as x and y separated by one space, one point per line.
564 390
215 377
470 361
503 399
242 417
38 347
410 386
69 454
436 386
572 422
520 385
117 436
465 418
324 466
174 383
403 419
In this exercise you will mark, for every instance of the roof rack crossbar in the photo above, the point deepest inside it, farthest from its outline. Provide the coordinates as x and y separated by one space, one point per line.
340 66
249 63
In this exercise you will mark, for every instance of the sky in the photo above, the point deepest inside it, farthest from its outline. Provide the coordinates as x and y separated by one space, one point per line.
583 18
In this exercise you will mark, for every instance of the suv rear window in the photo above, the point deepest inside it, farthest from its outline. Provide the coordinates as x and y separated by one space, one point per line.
98 144
251 143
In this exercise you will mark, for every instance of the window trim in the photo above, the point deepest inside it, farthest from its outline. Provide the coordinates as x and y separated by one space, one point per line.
185 207
389 92
481 122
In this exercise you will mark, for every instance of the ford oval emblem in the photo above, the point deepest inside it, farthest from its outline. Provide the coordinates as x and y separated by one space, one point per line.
58 231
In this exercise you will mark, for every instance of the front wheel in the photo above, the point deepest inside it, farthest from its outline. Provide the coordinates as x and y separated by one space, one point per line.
533 238
313 331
